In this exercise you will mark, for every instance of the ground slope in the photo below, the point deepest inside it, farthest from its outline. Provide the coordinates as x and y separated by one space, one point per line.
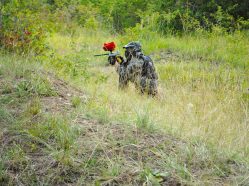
48 139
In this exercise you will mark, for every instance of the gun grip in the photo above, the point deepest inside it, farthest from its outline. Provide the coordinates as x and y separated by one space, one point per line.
119 60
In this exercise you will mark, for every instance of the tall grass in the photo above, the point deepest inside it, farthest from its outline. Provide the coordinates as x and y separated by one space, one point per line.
202 93
230 49
205 103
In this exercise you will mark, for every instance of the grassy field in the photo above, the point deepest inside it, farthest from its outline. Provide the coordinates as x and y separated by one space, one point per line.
203 86
64 120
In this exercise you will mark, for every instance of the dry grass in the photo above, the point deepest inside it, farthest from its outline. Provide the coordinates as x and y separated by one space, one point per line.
47 140
193 133
201 94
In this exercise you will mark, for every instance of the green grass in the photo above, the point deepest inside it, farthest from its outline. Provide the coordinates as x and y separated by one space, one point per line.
194 133
202 87
217 47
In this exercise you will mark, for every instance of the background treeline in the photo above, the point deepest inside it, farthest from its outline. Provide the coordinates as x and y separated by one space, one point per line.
25 23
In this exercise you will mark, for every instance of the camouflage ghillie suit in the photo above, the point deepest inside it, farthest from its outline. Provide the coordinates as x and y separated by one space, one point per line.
138 69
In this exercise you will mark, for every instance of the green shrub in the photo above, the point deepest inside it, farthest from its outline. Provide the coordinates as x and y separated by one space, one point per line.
23 25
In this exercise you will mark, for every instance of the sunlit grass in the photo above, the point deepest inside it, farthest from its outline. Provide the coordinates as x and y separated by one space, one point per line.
192 104
223 48
198 98
201 101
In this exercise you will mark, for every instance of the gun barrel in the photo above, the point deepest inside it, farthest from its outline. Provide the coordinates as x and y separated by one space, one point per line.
114 54
108 54
101 55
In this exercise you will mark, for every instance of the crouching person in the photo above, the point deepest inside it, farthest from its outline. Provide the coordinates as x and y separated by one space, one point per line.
139 69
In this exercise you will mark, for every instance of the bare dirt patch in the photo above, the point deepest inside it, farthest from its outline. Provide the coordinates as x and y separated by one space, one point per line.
127 147
65 92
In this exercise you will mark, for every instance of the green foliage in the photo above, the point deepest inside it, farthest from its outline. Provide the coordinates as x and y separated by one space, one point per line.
19 31
151 177
87 16
172 16
126 13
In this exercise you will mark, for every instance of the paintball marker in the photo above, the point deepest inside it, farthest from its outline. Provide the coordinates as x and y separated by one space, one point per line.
112 57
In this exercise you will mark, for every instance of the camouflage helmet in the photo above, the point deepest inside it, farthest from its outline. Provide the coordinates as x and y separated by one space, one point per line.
135 45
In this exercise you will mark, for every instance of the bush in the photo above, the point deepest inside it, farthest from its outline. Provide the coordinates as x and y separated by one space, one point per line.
18 30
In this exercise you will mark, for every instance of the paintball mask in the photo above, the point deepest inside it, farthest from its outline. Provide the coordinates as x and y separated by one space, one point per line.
131 49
